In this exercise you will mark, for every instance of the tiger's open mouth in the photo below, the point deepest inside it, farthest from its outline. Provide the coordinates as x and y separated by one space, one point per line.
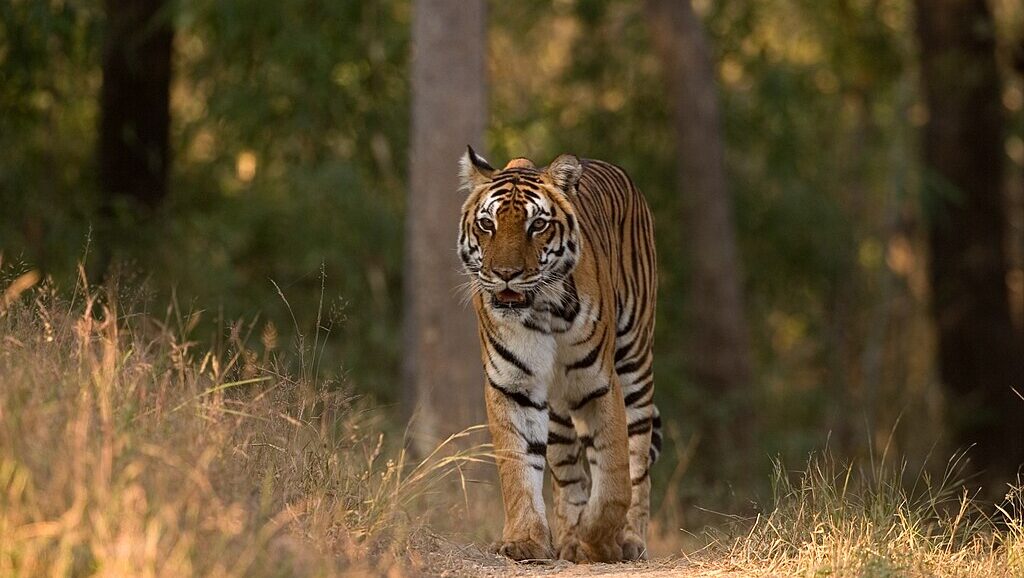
510 299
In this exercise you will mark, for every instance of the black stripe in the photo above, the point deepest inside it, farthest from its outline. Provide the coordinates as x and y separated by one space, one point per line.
639 394
588 360
593 330
641 426
559 440
565 482
627 368
639 480
538 467
569 306
622 351
587 441
656 439
518 397
531 325
599 392
628 327
647 373
508 355
560 420
537 448
557 253
571 460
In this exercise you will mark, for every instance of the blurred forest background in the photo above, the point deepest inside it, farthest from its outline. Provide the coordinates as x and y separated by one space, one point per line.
838 188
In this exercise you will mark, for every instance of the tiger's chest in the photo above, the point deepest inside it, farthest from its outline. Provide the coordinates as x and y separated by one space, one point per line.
559 343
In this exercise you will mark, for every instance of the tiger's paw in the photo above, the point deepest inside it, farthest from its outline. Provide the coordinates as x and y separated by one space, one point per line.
603 551
574 550
571 549
633 546
524 550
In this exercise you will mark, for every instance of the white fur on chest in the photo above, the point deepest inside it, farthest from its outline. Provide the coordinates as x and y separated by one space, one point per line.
550 350
535 350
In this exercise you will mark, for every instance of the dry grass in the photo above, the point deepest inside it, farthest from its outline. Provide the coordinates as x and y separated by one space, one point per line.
125 451
839 520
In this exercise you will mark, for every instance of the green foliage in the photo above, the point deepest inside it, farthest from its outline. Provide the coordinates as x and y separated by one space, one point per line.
312 95
48 84
289 131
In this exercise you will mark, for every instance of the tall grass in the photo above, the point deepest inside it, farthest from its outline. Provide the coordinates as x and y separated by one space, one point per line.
128 450
125 450
834 519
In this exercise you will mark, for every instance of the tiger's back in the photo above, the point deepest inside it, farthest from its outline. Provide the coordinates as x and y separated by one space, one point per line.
615 215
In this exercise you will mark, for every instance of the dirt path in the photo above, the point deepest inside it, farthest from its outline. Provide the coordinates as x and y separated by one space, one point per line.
449 559
651 569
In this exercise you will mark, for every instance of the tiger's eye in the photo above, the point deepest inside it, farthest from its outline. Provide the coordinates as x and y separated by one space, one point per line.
486 225
538 226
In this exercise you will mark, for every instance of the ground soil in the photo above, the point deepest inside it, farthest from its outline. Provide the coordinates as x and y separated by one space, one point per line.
445 558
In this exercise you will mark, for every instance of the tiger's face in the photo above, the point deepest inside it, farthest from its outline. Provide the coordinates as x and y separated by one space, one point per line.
519 234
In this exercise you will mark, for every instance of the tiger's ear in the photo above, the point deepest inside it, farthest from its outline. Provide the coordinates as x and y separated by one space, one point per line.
474 170
565 172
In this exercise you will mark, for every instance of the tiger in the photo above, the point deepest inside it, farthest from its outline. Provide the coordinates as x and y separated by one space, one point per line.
562 274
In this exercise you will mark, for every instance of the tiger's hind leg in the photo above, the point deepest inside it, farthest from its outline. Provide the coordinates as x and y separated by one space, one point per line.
643 422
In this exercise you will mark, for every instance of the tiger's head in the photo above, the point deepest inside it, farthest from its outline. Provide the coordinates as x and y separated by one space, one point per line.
519 234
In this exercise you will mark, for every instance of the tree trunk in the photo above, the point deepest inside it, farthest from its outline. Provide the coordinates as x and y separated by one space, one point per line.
442 371
720 350
981 354
135 101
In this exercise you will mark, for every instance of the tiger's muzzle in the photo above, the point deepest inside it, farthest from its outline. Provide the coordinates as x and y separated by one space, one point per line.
511 299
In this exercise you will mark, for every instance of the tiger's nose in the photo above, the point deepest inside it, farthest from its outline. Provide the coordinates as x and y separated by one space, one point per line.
507 273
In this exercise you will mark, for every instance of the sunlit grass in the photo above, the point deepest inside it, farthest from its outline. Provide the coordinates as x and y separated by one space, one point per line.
128 450
125 450
835 519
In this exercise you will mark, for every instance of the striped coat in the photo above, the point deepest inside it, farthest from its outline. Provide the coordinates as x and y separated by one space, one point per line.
562 274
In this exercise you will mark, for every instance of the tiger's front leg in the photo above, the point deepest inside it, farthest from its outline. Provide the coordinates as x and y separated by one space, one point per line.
570 482
519 428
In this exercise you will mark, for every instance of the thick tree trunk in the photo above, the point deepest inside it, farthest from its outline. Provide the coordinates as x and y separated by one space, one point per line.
981 354
443 375
135 101
720 351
